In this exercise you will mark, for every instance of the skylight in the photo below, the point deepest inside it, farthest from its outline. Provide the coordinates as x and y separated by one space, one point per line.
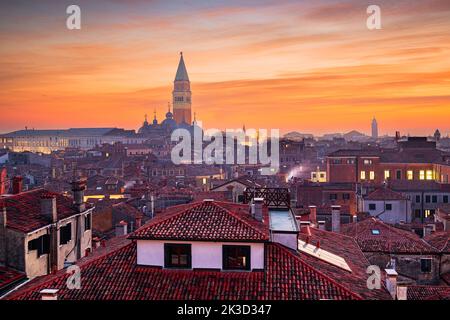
375 232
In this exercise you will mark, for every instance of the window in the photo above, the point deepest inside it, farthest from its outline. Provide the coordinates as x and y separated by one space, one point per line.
422 174
87 222
425 265
346 196
428 213
427 199
350 161
65 234
429 175
363 175
236 257
387 174
41 244
417 213
434 199
388 207
399 174
336 161
409 175
417 198
372 206
445 199
177 255
375 232
333 196
372 175
367 161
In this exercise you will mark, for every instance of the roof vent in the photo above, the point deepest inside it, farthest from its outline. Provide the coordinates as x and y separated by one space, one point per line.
208 200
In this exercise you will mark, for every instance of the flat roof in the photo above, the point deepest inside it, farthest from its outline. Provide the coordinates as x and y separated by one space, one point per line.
282 220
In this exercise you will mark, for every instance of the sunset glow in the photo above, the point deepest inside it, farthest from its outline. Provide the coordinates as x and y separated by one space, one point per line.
312 68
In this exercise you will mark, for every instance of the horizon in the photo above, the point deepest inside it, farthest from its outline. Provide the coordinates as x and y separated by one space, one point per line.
310 68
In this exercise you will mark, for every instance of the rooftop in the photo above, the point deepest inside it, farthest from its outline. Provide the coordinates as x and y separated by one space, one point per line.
206 220
385 194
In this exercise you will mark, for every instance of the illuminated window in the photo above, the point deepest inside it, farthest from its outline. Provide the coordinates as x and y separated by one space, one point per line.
236 257
363 175
372 175
429 174
427 213
367 161
375 232
422 174
409 175
387 174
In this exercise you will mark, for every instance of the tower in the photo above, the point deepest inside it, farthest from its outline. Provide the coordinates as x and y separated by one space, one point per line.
374 128
182 94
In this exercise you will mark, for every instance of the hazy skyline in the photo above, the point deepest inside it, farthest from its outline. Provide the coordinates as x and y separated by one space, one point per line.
293 65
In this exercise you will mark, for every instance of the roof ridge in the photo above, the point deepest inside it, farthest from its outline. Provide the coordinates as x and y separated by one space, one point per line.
311 268
240 218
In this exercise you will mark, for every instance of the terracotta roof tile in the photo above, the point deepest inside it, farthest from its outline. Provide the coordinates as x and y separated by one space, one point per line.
207 220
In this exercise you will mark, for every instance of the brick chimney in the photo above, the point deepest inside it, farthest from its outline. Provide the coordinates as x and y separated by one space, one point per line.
313 214
391 282
49 294
48 206
336 218
257 208
78 187
321 225
17 184
121 228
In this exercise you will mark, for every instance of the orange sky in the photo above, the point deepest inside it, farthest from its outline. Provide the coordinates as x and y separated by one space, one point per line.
311 67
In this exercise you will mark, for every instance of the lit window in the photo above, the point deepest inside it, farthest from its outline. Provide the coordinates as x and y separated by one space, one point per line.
177 255
375 232
387 174
372 175
236 257
427 213
422 174
367 161
429 174
409 175
363 175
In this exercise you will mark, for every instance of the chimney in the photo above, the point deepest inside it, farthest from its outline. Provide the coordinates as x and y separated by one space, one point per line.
121 228
17 184
313 214
78 188
397 135
321 225
428 229
402 292
336 218
48 206
138 222
355 218
391 282
49 294
257 208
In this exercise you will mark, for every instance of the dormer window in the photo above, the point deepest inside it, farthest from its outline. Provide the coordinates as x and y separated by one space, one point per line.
177 256
236 257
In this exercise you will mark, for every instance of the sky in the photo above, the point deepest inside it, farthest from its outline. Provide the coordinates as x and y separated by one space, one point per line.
308 66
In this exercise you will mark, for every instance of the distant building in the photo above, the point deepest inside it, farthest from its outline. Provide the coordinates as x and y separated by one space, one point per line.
374 128
182 95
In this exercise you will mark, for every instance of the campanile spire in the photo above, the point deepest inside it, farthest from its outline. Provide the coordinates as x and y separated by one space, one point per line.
182 94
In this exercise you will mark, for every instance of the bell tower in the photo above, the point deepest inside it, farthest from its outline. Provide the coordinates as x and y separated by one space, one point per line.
181 94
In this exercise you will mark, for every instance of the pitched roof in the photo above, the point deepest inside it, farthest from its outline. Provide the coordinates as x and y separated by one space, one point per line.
428 293
439 240
182 74
207 220
24 210
116 276
373 235
9 277
347 248
385 194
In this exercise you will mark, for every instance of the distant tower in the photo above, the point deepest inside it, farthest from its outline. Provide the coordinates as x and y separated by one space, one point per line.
182 94
437 135
374 128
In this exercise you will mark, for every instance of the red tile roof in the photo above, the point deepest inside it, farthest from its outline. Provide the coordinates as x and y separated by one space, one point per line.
347 248
24 209
207 220
439 240
389 239
9 276
385 194
428 293
116 276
